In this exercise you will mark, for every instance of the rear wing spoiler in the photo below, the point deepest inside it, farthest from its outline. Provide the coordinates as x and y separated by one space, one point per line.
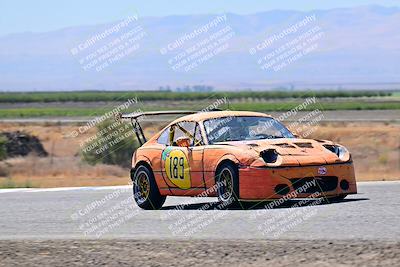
134 118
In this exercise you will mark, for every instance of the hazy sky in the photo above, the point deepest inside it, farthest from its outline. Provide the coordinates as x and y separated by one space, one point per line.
46 15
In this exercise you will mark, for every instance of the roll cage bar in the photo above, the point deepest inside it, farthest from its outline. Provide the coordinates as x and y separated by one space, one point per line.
134 118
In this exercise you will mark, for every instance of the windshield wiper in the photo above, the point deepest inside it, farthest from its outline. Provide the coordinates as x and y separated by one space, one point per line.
269 137
230 139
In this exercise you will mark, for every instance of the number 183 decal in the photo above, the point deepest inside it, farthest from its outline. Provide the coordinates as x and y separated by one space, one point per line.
177 168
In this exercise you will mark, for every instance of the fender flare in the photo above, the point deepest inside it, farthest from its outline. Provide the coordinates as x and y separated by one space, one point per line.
141 160
226 157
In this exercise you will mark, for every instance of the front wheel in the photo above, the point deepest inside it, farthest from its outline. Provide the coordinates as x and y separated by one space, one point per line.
145 190
227 182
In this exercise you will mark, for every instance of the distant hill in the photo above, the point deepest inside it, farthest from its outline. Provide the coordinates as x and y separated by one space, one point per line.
359 48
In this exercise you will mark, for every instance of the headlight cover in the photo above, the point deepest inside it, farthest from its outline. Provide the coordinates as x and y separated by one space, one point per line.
340 151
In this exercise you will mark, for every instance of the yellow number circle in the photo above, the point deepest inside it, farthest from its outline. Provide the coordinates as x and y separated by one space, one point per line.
177 169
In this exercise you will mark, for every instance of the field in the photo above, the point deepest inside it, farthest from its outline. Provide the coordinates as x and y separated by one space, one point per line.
260 107
375 149
89 104
367 122
97 96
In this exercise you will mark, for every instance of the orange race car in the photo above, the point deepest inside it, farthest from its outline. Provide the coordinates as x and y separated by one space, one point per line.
235 155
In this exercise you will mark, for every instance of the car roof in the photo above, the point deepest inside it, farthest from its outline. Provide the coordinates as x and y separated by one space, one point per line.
201 116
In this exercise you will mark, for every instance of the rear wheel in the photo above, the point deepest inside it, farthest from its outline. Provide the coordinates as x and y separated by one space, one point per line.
145 190
227 181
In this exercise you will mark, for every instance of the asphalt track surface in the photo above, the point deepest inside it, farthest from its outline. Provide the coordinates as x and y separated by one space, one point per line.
102 226
109 212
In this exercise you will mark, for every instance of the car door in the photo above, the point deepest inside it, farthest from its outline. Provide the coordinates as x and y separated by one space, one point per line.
182 167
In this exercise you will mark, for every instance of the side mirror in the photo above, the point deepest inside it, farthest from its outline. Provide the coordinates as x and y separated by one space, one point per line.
183 141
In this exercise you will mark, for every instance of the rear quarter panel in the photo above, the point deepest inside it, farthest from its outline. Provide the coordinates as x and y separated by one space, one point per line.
151 154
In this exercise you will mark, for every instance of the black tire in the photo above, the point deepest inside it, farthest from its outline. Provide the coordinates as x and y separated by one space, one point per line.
145 190
227 191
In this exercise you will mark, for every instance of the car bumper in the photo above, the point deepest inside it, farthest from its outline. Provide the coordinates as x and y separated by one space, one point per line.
296 182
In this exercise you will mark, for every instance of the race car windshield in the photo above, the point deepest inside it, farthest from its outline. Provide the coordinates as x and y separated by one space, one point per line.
244 128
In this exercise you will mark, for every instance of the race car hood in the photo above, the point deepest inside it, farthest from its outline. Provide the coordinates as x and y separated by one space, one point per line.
292 151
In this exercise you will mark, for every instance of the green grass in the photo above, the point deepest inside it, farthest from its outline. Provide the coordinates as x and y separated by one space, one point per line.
8 183
50 112
251 106
348 105
58 112
93 96
396 94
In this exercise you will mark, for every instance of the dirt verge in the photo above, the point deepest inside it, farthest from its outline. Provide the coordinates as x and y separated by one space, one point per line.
199 253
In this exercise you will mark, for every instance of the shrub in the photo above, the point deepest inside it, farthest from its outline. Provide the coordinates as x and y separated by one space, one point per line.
113 144
383 159
3 149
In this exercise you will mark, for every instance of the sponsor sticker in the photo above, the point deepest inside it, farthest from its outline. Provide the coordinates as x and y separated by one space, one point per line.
322 170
